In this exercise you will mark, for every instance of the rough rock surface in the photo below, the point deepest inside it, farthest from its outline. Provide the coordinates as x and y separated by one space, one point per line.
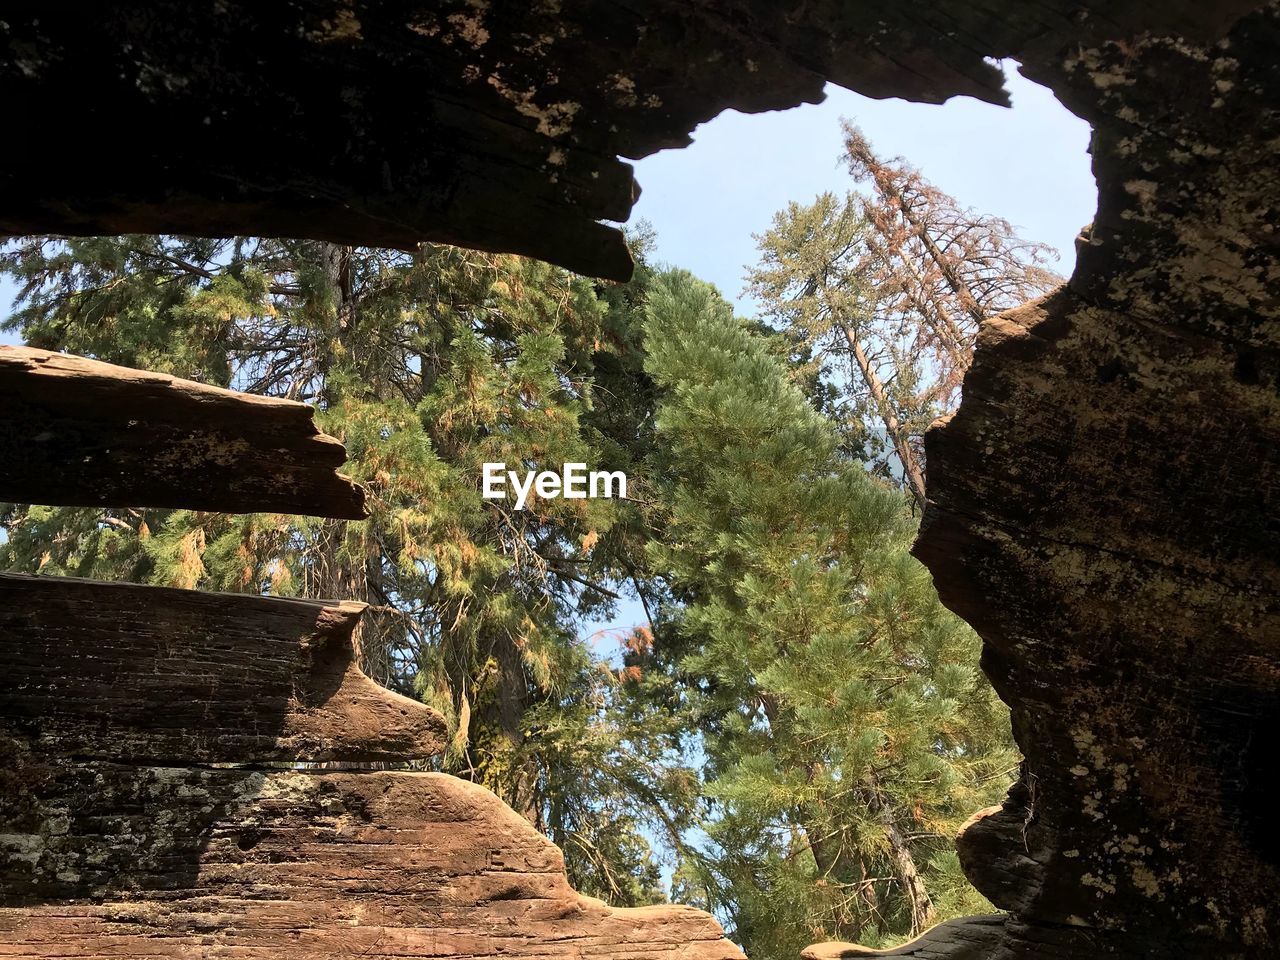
259 865
125 831
490 124
132 673
1106 513
79 432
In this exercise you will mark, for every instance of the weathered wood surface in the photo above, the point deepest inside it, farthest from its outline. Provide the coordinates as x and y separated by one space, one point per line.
113 844
203 863
79 432
1105 510
147 674
490 124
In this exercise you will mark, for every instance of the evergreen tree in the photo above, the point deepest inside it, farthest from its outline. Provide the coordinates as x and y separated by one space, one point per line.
882 291
846 727
426 365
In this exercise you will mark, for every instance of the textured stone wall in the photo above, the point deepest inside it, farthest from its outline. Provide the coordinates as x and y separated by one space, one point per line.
1106 512
496 124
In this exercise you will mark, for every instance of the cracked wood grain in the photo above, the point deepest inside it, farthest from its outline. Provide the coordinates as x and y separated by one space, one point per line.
149 674
78 432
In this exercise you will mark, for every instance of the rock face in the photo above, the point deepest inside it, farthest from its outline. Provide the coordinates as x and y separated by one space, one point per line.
119 839
490 124
1106 513
269 864
969 938
135 816
130 673
77 432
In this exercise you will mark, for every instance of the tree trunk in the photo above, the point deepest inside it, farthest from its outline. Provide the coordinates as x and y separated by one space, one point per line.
861 151
330 576
923 914
911 468
957 345
512 702
968 301
832 860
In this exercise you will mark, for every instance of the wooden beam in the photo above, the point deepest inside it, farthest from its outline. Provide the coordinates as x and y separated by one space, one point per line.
126 672
77 432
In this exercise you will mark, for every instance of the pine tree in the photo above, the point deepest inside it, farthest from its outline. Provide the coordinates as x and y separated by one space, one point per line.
883 290
846 727
426 365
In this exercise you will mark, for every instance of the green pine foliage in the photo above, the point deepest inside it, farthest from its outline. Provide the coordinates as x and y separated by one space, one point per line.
847 729
800 723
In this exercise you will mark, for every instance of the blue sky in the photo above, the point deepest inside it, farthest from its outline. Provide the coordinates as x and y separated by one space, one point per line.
6 304
1027 164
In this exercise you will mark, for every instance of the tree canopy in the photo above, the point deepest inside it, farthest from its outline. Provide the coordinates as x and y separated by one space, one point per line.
846 727
795 728
882 291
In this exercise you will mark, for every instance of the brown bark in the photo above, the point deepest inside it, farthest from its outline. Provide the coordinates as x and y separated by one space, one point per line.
132 673
954 342
923 914
495 164
830 854
79 432
1103 513
512 703
102 859
891 193
512 162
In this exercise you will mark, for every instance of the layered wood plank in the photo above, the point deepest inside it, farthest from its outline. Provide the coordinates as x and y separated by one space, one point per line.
125 672
79 432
